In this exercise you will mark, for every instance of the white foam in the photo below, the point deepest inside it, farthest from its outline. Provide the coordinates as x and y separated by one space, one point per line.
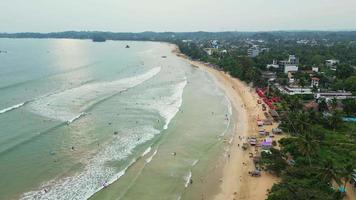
76 117
148 160
229 106
169 106
148 150
68 104
96 172
187 179
12 107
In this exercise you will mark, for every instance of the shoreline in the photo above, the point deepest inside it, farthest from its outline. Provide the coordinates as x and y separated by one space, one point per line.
234 179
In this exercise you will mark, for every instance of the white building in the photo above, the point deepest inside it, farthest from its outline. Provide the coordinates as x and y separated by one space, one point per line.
332 63
290 65
315 82
253 51
290 68
334 95
293 60
315 69
294 90
273 65
209 51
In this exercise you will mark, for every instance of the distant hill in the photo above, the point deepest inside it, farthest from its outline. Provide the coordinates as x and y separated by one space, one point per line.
169 36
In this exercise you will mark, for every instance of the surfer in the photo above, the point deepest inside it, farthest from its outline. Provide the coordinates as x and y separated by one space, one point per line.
191 181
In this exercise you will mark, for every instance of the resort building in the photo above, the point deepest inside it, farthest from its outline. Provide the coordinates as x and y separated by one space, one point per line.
293 90
315 82
290 68
334 95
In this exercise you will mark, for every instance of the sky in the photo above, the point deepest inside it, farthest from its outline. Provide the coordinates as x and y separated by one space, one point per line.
176 15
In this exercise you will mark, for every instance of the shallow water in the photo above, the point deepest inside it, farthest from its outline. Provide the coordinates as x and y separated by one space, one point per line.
80 119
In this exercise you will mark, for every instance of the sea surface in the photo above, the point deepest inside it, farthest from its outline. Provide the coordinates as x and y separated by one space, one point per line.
83 120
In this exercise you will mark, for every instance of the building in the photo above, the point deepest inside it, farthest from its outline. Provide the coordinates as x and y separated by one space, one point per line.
332 63
293 90
273 65
270 76
315 82
291 79
293 60
254 51
333 95
290 65
290 68
315 69
209 51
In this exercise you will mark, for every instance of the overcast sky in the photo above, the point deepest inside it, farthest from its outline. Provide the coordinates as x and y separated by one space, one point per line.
176 15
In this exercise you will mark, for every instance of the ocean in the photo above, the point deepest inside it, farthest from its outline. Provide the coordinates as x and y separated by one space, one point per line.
83 120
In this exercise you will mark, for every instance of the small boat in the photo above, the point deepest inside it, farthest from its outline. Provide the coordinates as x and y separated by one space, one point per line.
127 46
164 56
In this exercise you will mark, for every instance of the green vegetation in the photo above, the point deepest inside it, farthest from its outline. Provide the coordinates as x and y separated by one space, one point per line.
320 154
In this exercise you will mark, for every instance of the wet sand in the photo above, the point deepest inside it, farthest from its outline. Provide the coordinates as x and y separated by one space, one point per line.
232 174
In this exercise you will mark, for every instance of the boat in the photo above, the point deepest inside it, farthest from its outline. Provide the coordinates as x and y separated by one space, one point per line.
127 46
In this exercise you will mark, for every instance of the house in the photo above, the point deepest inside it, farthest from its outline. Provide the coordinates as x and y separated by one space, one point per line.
315 82
333 95
290 68
315 69
292 90
290 65
253 51
215 44
273 65
293 60
208 51
271 76
290 78
332 63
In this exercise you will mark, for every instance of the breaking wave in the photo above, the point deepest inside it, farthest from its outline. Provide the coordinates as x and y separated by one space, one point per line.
66 105
13 107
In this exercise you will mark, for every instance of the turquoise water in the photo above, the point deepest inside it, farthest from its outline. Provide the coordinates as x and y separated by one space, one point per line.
80 119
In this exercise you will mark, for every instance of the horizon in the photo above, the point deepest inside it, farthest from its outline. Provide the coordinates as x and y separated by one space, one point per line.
198 31
177 16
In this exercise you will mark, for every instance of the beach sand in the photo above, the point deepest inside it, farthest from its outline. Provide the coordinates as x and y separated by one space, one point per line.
234 179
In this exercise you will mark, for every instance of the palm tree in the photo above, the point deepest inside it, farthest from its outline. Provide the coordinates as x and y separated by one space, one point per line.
335 120
333 104
329 172
307 145
346 174
302 83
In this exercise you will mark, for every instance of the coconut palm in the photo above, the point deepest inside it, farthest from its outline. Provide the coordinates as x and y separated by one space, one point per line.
328 172
335 120
307 145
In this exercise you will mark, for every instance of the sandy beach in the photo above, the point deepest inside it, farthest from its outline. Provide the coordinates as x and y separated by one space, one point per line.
234 179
